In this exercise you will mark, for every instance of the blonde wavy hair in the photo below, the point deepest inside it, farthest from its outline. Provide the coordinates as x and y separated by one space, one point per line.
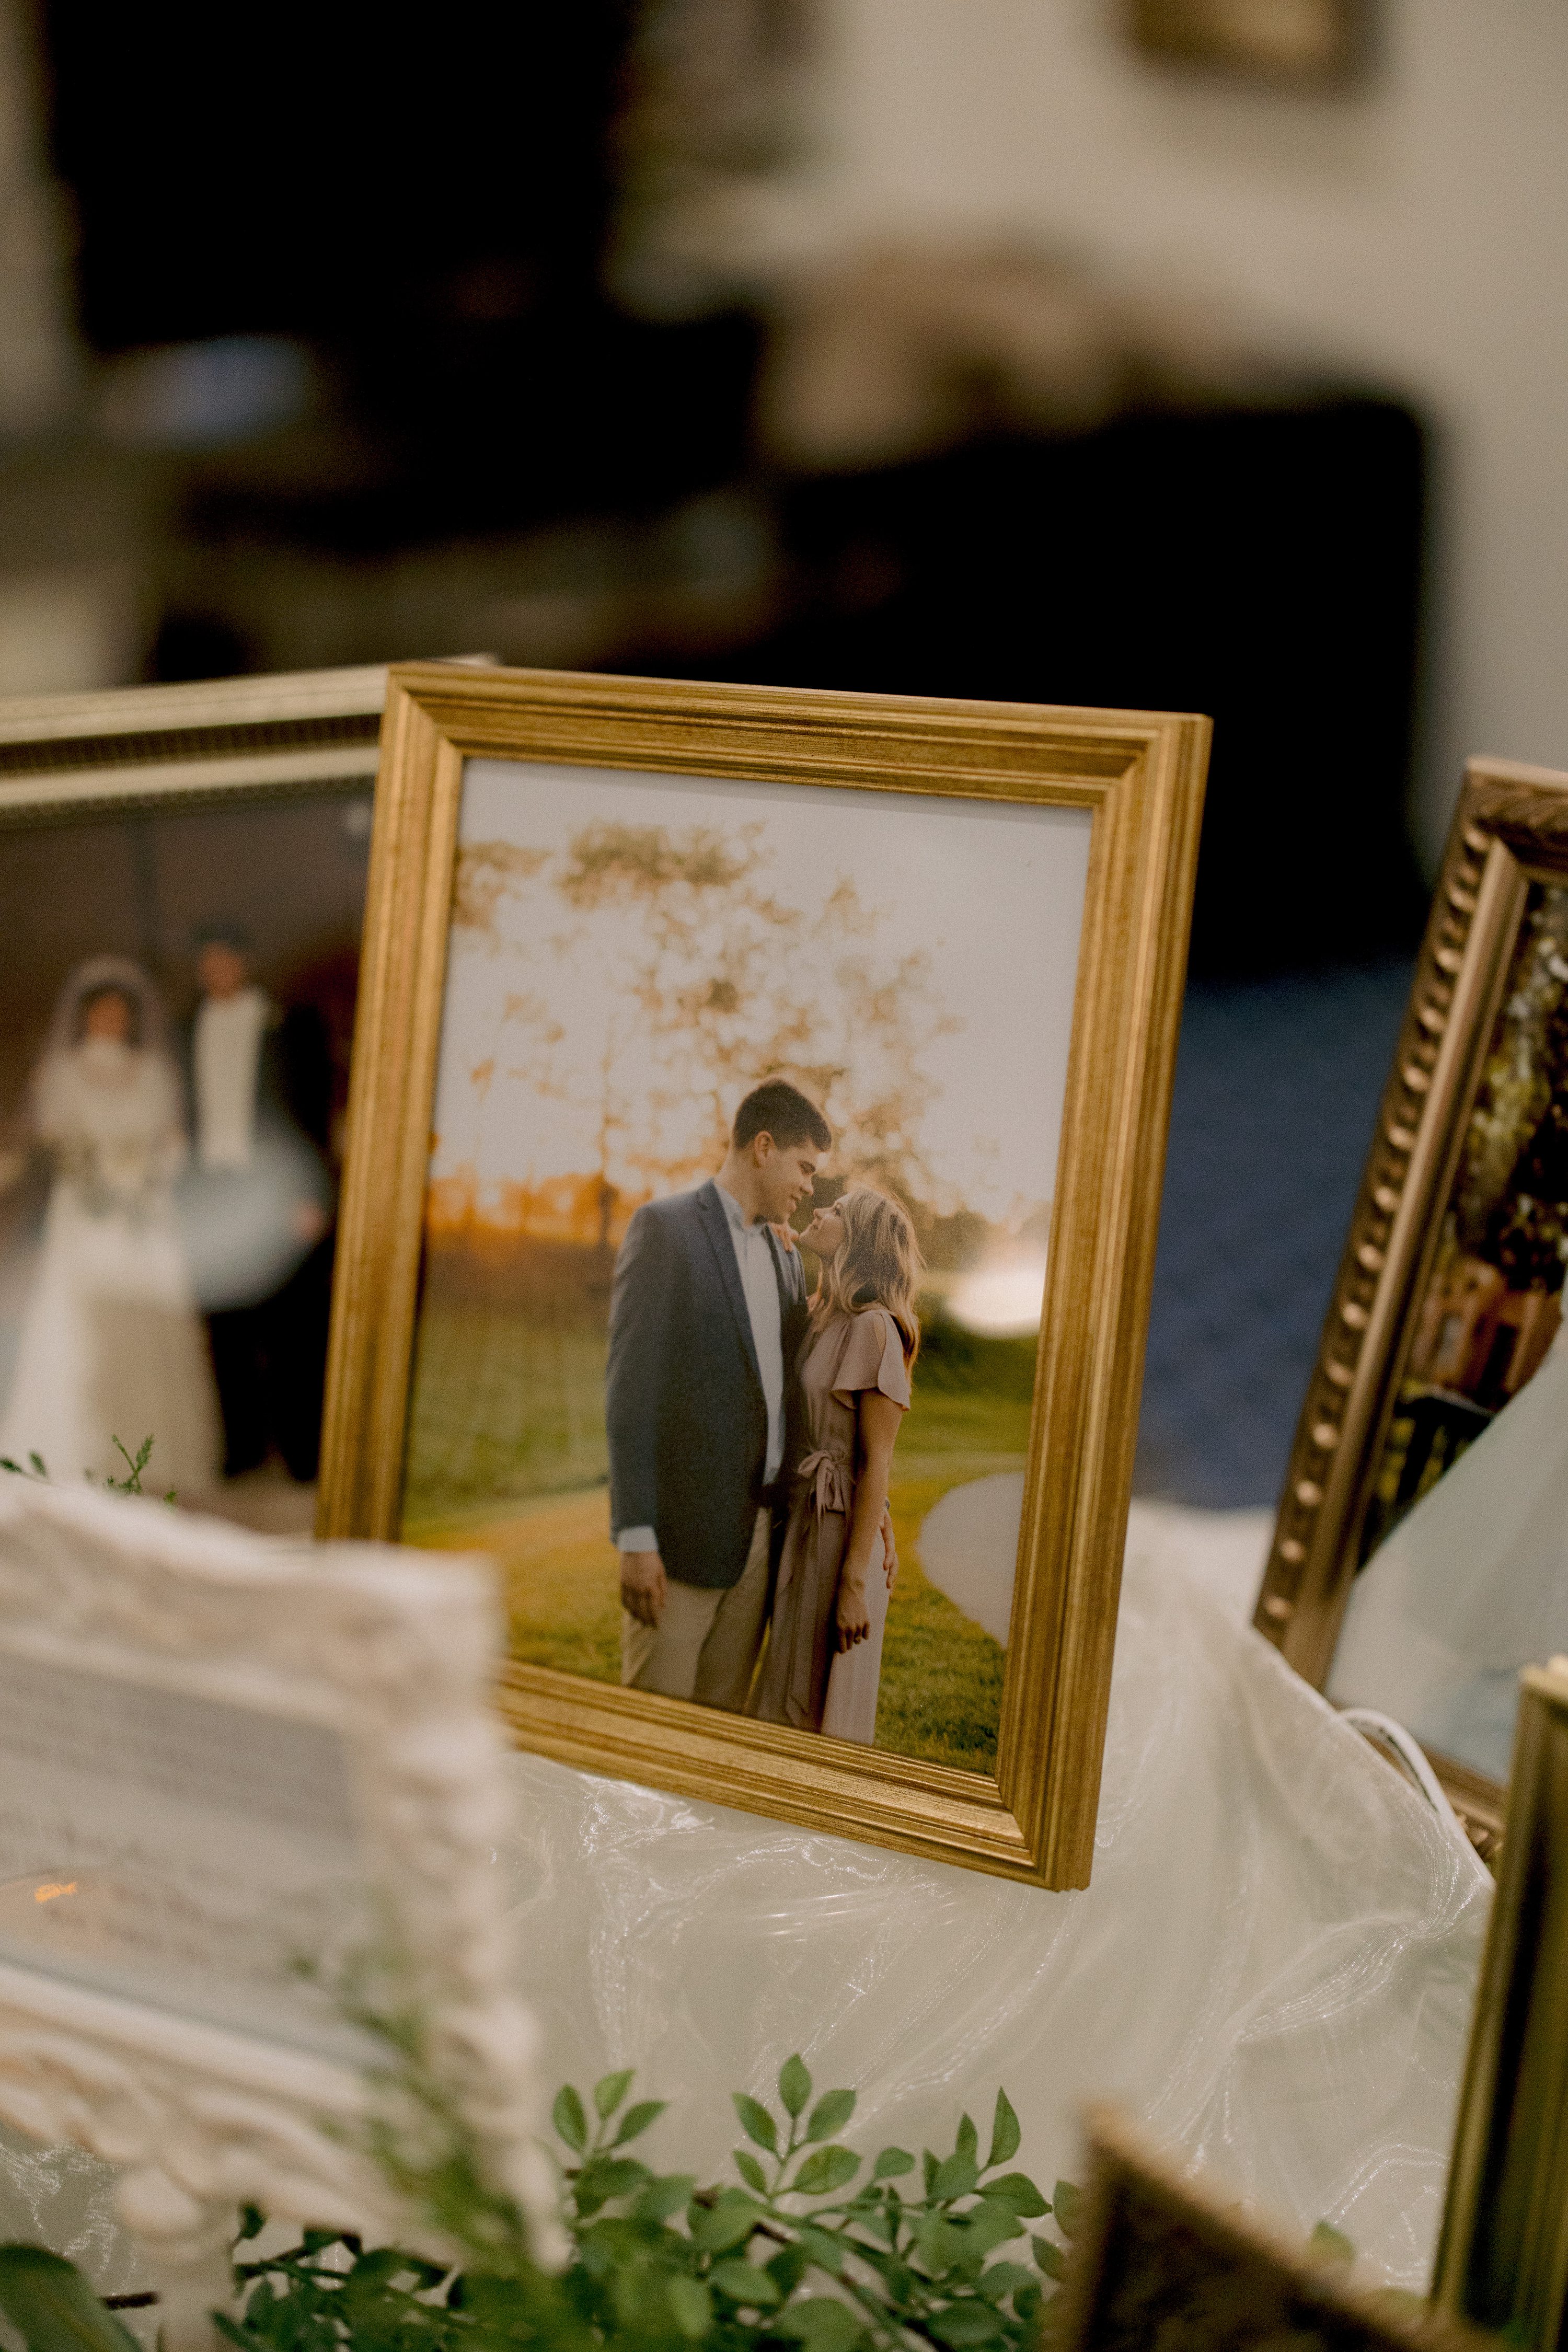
877 1264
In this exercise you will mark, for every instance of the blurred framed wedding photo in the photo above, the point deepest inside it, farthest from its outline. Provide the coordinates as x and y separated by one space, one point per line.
1417 1561
755 1140
182 886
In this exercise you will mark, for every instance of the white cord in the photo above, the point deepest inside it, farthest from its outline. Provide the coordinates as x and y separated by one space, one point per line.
1383 1730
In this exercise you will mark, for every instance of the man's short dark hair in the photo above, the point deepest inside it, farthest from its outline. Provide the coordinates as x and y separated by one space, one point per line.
781 1110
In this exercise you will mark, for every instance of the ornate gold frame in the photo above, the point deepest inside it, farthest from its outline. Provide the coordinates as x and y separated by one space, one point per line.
1511 828
1141 776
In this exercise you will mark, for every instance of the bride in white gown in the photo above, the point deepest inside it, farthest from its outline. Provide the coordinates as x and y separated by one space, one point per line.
111 1345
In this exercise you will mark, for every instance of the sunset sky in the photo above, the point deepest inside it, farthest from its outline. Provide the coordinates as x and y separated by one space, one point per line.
993 892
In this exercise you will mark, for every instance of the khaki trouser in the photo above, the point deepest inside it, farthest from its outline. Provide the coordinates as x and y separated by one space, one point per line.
705 1645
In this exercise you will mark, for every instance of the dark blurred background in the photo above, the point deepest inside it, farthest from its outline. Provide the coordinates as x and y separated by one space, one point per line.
1131 352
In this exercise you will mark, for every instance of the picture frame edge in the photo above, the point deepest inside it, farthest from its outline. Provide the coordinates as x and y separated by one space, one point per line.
126 750
185 708
1503 805
1121 2152
1146 1020
1499 2041
638 1736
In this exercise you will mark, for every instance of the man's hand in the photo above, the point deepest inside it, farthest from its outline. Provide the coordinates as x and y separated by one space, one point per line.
890 1549
643 1587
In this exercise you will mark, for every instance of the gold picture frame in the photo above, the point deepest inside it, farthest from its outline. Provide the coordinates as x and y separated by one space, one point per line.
1160 2258
1139 779
1510 832
1502 2255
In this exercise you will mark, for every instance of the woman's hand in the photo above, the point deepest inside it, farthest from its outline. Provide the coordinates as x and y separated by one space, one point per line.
869 1550
854 1617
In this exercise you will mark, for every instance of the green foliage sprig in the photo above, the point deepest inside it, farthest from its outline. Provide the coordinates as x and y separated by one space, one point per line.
34 1467
902 2269
134 1466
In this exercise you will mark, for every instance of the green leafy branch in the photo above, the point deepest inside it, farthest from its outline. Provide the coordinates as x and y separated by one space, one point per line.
902 2270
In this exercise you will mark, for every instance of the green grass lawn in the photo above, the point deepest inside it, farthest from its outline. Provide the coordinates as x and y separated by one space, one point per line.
504 1404
507 1456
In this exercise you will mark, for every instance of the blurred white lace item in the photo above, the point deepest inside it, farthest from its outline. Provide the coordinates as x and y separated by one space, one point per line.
1470 1586
1274 1967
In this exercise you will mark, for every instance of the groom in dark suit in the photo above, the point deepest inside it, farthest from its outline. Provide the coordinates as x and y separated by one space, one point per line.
256 1207
706 1316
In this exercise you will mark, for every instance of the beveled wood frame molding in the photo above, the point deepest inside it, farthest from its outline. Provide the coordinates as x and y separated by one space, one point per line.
139 747
1511 829
1142 777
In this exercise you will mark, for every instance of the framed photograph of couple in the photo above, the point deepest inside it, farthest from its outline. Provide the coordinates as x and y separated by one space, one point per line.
182 882
756 1133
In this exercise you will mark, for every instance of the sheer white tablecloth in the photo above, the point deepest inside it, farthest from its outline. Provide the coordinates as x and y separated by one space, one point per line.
1273 1968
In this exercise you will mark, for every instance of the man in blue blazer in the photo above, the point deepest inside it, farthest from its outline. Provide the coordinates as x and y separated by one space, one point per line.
706 1315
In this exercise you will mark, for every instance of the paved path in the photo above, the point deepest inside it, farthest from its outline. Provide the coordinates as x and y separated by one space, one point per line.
969 1545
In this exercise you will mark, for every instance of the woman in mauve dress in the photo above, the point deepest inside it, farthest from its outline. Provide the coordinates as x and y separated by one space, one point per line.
824 1658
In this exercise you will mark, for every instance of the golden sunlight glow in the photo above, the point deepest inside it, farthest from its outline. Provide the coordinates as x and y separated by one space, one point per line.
1001 1301
47 1894
631 953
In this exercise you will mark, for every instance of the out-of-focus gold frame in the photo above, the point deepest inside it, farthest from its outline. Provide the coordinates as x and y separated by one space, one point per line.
1503 2257
1511 829
1160 2258
1301 43
1142 777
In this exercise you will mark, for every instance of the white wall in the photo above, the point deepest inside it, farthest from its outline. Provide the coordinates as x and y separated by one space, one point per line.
1415 232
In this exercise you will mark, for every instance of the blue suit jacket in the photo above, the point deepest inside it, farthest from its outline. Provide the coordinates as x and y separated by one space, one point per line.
686 1418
